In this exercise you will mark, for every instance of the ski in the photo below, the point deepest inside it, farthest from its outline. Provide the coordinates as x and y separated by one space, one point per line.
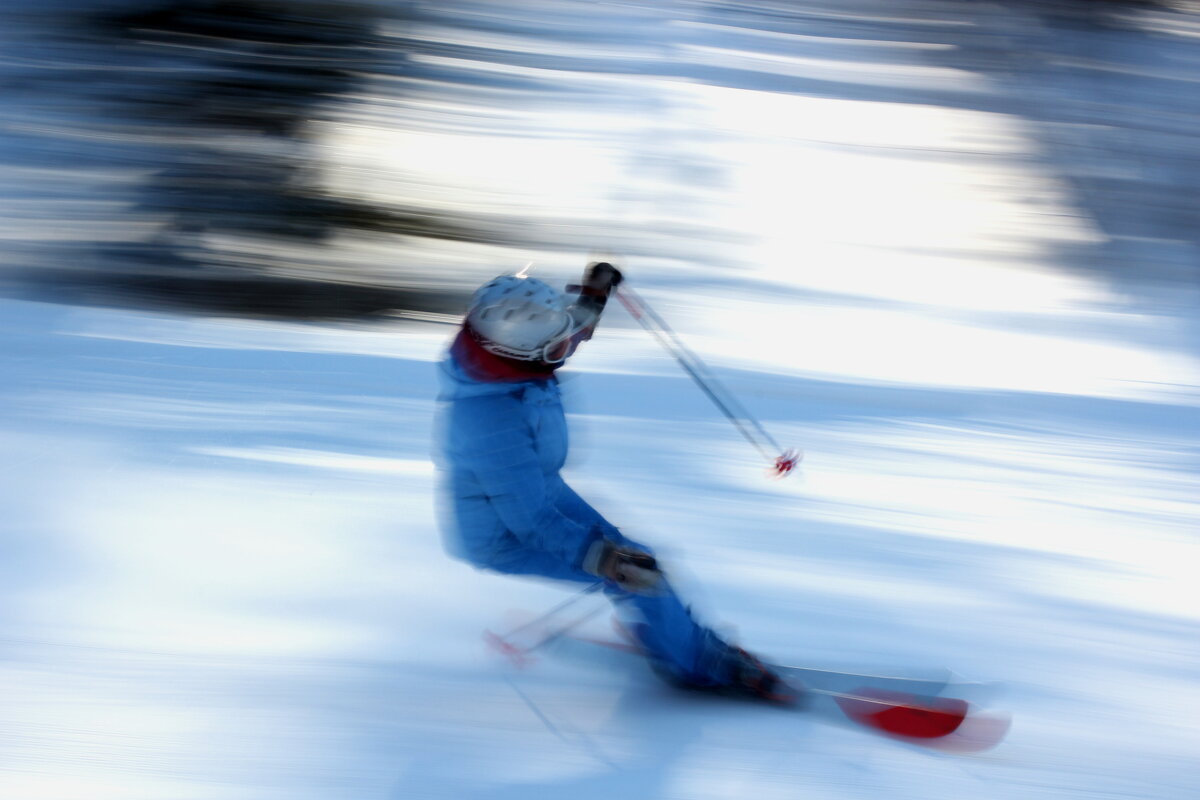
901 706
929 684
915 709
901 714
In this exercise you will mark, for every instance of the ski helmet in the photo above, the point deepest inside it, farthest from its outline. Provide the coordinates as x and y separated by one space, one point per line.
523 319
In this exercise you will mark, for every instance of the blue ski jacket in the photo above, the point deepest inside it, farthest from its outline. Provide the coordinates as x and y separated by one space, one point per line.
501 445
505 507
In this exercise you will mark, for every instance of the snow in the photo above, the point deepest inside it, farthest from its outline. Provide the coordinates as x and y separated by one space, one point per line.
222 574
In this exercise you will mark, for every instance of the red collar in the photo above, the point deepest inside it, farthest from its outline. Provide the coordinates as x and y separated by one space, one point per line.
489 367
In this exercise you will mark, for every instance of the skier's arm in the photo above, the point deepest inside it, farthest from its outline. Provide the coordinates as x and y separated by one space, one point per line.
504 462
599 280
576 508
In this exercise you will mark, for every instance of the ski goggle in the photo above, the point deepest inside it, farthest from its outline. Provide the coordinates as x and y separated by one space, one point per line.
577 328
582 325
555 351
563 347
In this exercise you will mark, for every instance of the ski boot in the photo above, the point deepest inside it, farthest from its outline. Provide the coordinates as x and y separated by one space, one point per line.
750 676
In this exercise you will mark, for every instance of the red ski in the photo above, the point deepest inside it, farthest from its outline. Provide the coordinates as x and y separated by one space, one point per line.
903 715
913 709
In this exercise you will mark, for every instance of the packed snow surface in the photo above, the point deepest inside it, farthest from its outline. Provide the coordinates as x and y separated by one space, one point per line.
222 573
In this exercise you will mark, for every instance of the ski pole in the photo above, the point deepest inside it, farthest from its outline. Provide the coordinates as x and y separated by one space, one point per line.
747 425
519 655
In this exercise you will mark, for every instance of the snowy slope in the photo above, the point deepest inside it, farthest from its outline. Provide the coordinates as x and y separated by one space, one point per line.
222 575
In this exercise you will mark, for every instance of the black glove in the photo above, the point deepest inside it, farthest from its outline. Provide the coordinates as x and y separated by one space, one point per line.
600 278
633 570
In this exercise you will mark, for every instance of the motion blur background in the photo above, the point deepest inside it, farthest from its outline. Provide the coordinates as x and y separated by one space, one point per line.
343 158
950 248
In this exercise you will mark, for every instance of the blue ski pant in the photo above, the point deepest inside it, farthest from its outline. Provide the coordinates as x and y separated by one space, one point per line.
681 649
686 651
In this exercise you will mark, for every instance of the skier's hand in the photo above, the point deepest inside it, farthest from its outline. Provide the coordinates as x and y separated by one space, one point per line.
600 278
633 570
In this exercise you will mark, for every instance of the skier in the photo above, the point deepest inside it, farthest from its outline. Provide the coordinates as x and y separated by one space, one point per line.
502 442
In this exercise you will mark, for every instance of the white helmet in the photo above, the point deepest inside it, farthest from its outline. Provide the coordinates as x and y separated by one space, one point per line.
523 319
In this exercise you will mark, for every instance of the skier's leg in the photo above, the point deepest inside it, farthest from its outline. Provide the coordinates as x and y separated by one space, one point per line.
509 556
687 653
568 503
690 655
682 649
472 532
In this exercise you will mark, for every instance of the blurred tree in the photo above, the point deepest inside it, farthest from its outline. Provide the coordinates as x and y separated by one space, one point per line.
217 104
245 83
